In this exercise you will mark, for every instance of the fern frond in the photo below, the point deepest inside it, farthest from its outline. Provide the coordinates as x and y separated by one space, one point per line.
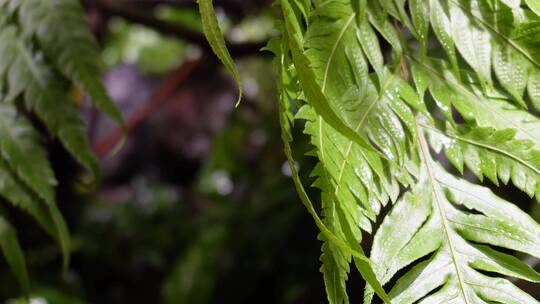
490 36
46 48
516 131
495 154
352 173
335 44
338 247
335 55
217 42
308 80
373 137
14 255
20 148
18 194
441 224
45 94
345 177
62 33
26 158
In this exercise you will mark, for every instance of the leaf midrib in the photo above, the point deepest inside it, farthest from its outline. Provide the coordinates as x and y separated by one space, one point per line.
334 48
486 146
323 87
466 91
424 149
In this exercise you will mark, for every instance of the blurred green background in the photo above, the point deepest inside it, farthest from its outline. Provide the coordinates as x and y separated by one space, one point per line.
198 206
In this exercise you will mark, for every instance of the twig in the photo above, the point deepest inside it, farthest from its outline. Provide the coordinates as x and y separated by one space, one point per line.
161 94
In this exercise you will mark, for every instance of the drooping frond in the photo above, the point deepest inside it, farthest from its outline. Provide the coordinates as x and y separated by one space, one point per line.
347 172
340 246
13 253
337 58
62 33
45 94
349 68
26 158
217 42
341 47
46 49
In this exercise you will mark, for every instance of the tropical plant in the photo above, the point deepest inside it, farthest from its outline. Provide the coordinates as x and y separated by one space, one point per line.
458 91
46 52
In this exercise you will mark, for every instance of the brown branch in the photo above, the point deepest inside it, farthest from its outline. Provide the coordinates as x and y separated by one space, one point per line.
161 94
174 29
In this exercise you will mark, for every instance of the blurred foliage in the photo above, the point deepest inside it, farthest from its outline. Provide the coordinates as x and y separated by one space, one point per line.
254 28
196 244
234 234
192 279
135 44
187 17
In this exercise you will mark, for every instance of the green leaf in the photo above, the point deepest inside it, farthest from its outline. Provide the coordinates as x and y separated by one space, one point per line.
533 88
47 48
14 254
61 29
471 103
442 204
370 44
511 70
473 43
45 94
351 172
334 41
366 271
20 196
440 21
379 20
491 153
534 5
341 247
312 89
217 42
445 240
19 145
193 278
20 149
419 12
